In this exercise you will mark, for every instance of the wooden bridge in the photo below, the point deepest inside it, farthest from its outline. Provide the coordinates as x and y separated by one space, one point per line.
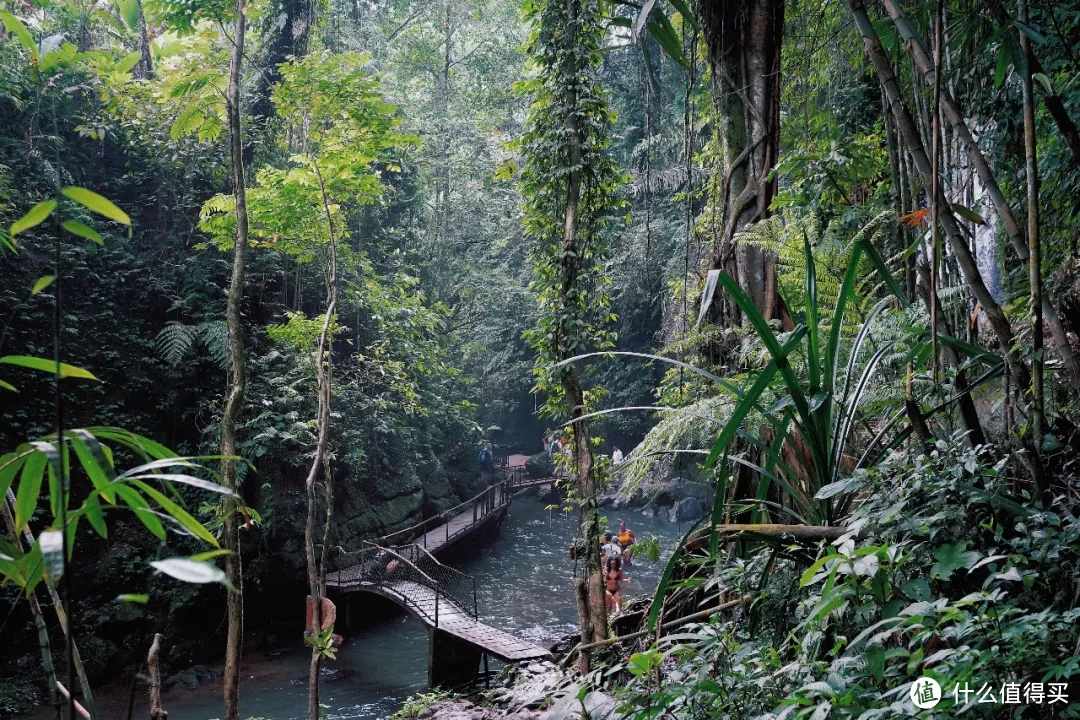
402 567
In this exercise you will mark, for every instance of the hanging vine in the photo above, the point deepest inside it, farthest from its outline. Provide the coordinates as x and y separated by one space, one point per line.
568 183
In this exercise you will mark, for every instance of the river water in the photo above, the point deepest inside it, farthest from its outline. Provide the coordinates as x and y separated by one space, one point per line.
523 586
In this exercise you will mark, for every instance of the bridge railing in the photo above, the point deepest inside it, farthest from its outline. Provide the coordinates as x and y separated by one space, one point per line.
488 500
406 572
453 584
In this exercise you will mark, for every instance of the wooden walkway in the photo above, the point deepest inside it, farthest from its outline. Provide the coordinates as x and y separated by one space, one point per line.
421 601
402 567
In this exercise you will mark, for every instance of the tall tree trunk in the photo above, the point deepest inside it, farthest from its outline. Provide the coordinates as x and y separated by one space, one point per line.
238 379
589 519
145 66
316 567
744 39
1031 167
953 113
957 242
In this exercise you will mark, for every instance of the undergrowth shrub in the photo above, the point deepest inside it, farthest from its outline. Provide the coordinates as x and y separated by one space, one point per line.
944 574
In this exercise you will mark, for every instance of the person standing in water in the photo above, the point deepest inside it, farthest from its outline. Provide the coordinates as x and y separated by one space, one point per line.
626 542
613 579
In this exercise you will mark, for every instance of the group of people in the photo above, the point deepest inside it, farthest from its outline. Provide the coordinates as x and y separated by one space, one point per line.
616 551
555 443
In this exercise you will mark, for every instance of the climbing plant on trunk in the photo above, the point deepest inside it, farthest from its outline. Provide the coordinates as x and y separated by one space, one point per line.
568 184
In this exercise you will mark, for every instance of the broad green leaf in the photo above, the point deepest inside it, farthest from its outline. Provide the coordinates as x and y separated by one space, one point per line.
129 10
131 59
1043 80
190 571
51 542
16 27
917 589
33 217
1003 61
26 498
84 231
42 282
49 366
951 558
875 660
99 204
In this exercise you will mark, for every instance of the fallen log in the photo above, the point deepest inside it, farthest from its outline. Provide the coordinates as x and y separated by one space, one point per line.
799 533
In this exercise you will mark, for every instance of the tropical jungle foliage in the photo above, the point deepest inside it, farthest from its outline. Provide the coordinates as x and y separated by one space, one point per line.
272 272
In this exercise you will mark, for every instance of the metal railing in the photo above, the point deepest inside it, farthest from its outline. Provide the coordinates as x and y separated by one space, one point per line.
487 501
413 576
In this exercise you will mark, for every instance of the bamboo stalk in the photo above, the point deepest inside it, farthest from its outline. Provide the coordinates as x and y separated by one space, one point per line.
61 616
82 712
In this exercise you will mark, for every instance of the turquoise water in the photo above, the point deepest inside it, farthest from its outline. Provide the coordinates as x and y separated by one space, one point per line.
523 586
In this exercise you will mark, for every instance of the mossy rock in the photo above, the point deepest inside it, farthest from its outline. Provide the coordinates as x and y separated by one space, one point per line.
540 466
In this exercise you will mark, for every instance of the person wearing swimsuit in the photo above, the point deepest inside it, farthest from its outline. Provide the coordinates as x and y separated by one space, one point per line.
614 579
626 541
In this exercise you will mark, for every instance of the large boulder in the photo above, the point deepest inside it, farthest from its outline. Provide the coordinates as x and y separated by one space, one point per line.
699 491
687 509
540 466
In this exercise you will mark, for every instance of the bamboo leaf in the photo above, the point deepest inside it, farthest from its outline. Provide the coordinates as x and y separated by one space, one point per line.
33 217
42 282
178 513
51 542
9 467
132 598
97 203
663 33
8 386
49 366
190 571
26 498
142 510
82 230
967 213
686 12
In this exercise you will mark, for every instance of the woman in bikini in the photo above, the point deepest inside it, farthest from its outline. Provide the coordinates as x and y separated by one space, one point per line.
614 578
